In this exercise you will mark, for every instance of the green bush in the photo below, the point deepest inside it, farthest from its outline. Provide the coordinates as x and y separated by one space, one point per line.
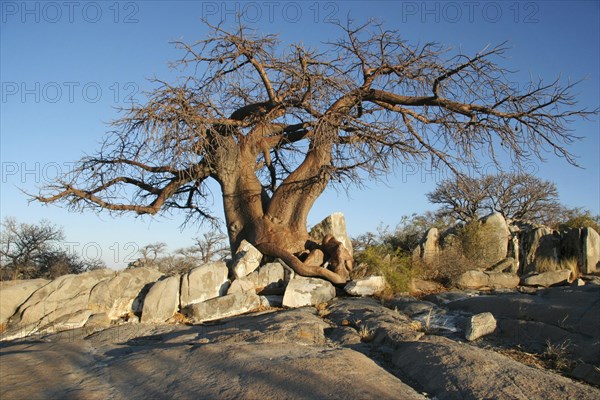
395 266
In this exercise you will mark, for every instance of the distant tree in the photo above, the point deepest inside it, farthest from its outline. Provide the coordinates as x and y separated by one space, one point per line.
211 246
22 244
461 198
33 251
521 197
274 127
150 252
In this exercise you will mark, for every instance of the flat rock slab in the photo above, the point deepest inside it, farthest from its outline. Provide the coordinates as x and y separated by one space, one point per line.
575 309
171 362
547 279
450 370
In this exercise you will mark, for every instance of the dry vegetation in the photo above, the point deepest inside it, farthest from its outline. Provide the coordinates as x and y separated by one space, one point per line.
551 264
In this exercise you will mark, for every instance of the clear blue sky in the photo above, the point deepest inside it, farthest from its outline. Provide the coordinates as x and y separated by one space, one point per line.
66 65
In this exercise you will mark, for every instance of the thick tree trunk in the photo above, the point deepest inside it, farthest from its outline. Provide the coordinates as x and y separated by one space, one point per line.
277 226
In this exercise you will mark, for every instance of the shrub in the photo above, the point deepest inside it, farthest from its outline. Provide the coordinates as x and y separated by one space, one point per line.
581 219
469 247
396 267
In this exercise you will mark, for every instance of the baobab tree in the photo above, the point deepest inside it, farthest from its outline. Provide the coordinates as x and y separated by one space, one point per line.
275 125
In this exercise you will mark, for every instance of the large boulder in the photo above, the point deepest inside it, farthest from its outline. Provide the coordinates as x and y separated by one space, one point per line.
122 293
547 279
223 307
66 322
481 279
506 265
334 225
365 286
162 301
497 237
246 260
303 291
513 252
15 293
203 283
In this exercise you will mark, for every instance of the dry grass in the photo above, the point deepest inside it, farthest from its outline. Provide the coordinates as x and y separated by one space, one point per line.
517 354
179 318
426 324
366 334
322 309
395 267
472 247
550 264
557 355
416 326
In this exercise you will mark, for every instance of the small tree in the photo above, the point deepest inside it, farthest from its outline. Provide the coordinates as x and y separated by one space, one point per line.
274 127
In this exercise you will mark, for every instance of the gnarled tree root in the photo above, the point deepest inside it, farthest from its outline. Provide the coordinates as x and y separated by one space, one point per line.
298 266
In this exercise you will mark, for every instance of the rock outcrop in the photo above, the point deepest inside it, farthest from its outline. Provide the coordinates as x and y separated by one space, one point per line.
591 251
429 248
122 294
14 293
498 236
54 304
270 277
246 260
547 279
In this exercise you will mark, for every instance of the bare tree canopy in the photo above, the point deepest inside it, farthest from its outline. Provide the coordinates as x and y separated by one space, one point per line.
275 125
522 197
462 198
